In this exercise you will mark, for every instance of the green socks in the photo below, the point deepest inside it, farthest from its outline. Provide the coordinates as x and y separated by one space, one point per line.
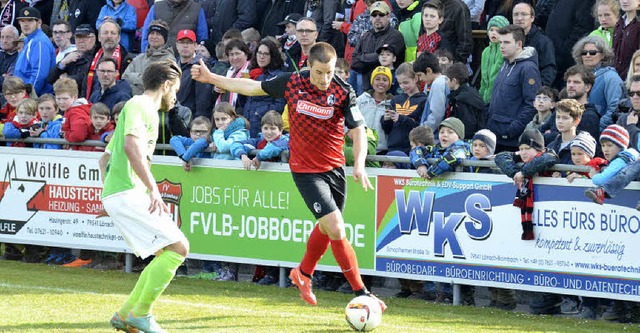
152 282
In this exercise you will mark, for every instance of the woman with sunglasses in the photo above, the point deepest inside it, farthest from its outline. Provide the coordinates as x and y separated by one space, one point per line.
596 55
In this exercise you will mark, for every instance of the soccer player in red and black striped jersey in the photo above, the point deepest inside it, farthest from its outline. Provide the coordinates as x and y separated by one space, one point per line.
320 105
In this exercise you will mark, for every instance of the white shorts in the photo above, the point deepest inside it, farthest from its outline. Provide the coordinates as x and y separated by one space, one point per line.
144 232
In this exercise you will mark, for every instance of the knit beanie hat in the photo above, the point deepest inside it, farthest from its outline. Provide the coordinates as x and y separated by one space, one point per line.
586 142
498 21
161 30
488 138
455 124
616 134
382 70
533 138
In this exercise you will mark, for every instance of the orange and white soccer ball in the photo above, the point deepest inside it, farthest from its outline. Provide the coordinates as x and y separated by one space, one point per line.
363 313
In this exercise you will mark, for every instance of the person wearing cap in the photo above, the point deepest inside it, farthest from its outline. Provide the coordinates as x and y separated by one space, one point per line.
75 65
289 40
375 102
158 50
179 15
365 58
112 90
38 55
126 17
583 150
194 95
9 12
491 60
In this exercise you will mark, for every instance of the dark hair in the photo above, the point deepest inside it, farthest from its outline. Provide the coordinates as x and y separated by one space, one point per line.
516 31
158 72
237 44
435 5
272 118
444 53
549 92
117 108
342 64
232 34
100 109
276 61
424 61
107 59
586 75
459 72
48 98
322 52
531 8
422 135
61 22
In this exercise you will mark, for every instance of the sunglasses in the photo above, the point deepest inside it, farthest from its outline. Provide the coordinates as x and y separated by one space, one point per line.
590 52
634 93
378 15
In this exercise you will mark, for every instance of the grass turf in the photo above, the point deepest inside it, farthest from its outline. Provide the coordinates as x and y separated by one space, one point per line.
39 298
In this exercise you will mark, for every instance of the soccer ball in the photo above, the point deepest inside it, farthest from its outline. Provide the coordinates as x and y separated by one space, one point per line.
363 313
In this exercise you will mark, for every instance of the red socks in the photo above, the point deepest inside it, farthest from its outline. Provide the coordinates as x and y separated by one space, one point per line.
346 258
316 247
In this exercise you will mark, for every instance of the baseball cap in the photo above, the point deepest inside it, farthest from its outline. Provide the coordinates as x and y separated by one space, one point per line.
380 6
84 29
28 13
292 18
182 34
386 47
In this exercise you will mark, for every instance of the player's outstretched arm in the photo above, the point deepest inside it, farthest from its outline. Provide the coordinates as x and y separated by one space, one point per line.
247 87
134 149
359 137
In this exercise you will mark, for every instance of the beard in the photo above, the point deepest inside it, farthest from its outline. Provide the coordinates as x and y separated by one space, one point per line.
167 103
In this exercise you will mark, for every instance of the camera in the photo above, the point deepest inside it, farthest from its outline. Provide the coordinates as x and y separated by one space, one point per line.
35 127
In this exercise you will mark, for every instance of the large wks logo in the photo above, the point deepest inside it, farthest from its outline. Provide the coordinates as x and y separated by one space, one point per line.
171 194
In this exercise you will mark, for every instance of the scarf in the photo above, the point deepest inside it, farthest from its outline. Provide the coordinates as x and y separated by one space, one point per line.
117 55
255 73
524 200
236 125
7 14
24 131
290 41
233 73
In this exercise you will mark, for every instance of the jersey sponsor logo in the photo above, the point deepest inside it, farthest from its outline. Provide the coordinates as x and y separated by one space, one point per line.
314 110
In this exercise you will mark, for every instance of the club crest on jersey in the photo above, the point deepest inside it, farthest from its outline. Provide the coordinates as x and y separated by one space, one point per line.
314 110
331 99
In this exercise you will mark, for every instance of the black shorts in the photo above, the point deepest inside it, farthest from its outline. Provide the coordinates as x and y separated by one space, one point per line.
322 192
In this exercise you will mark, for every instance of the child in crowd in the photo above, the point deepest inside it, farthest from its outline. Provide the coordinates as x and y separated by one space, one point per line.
625 42
387 58
583 150
536 160
14 91
483 146
492 59
51 123
101 125
436 90
115 113
271 143
77 115
568 115
343 70
405 111
200 129
432 17
545 102
410 20
445 58
606 13
464 101
373 104
22 123
450 151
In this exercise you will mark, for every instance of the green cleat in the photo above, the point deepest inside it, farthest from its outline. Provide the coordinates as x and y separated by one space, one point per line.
117 322
146 324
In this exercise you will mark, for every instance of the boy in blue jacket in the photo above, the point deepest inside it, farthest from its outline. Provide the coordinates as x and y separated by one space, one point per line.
200 128
271 142
51 122
450 151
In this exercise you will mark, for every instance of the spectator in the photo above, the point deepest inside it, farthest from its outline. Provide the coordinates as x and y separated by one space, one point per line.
277 11
410 18
445 58
583 149
324 13
464 101
238 53
514 89
196 96
158 50
365 58
61 31
545 102
594 53
456 29
109 37
428 67
307 34
115 114
492 59
200 129
125 15
208 56
375 103
10 10
270 141
523 15
83 12
386 57
76 64
266 63
634 68
19 127
432 18
289 40
483 148
568 115
251 37
568 21
629 120
50 124
357 7
38 56
606 13
223 15
476 7
626 36
493 8
111 89
14 91
8 54
77 116
179 15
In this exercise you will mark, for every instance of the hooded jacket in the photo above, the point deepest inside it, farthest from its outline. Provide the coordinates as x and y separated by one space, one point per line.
410 22
514 91
410 109
77 120
133 73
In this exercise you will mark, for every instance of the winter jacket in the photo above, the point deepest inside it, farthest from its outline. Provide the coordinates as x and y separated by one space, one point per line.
621 160
373 112
125 60
223 140
436 105
270 152
633 129
97 135
257 106
133 73
410 22
508 163
197 96
178 18
456 29
546 54
606 34
51 131
77 120
537 122
626 40
274 12
223 15
121 91
448 158
126 17
514 91
76 70
410 109
365 58
605 93
467 105
84 12
35 61
15 130
181 144
324 15
563 153
589 123
7 64
490 65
